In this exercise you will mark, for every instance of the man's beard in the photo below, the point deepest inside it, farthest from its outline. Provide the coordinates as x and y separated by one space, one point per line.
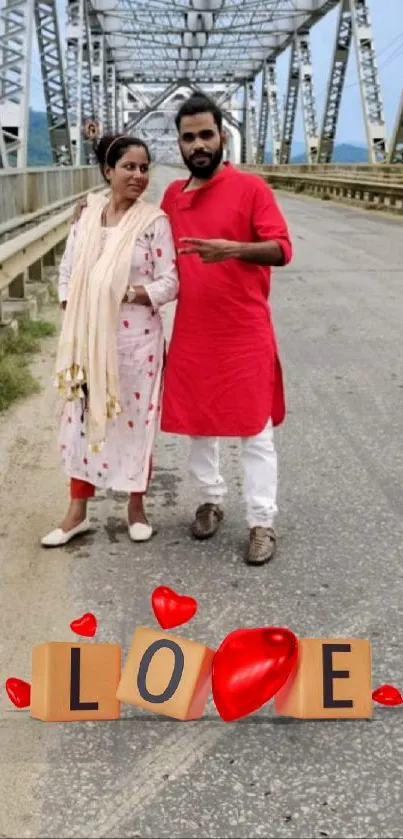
206 170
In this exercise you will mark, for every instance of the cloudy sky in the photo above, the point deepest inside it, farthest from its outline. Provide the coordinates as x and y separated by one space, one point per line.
387 21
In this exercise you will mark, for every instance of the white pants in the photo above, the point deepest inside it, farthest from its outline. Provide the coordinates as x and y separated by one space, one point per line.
259 462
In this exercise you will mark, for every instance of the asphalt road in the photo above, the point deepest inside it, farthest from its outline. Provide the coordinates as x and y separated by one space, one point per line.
338 311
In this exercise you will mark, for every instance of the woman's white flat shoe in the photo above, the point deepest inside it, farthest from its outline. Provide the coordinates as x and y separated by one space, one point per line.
59 537
140 532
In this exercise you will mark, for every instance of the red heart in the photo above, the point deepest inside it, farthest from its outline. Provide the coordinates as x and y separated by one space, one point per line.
249 667
86 625
387 695
172 609
19 692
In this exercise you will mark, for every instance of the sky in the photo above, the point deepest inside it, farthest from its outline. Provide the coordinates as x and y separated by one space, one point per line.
387 24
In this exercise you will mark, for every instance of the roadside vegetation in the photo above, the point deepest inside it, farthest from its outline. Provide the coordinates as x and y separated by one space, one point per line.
16 351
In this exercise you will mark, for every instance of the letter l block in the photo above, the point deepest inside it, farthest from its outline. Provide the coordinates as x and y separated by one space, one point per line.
75 682
166 674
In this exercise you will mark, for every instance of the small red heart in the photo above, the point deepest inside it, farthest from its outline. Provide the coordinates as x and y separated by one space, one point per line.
126 324
151 358
172 609
86 625
137 395
19 692
130 424
387 695
249 667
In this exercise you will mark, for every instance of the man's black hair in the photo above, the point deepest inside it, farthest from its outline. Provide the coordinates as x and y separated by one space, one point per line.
198 103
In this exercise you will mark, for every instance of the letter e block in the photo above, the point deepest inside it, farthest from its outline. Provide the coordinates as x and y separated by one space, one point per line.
75 682
166 674
332 680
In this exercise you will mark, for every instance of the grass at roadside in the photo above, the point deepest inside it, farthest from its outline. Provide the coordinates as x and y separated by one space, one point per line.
16 379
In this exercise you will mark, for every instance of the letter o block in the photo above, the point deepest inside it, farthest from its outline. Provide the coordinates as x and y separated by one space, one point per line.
332 680
166 674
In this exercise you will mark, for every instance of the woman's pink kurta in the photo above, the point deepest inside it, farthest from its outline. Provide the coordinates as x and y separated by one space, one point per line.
123 463
223 375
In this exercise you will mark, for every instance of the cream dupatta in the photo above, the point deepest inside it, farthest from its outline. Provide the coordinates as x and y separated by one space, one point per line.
87 348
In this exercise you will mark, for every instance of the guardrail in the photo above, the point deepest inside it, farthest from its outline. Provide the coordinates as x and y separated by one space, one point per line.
24 191
26 256
359 188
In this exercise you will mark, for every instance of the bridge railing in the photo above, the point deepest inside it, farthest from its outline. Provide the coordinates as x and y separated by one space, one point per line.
372 187
36 207
24 191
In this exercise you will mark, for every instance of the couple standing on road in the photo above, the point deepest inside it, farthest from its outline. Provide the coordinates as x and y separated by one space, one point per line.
211 244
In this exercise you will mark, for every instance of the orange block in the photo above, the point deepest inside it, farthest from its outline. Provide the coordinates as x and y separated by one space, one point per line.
332 680
75 681
166 674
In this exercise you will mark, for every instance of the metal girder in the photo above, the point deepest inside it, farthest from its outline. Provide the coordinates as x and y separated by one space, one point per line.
371 97
336 83
111 97
274 117
303 48
153 106
50 54
79 72
16 30
98 75
290 108
396 145
208 41
249 125
263 118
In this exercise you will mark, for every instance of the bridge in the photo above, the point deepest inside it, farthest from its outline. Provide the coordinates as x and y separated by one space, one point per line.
125 65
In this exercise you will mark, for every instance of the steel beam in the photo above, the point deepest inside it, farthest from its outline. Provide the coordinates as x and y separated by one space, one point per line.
50 54
263 118
16 31
336 83
307 96
111 97
290 109
396 145
371 96
274 117
153 106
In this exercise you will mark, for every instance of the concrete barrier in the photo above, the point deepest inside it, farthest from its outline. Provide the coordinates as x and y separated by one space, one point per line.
24 191
368 186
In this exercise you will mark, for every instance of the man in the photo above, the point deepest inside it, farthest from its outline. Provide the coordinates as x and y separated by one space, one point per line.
223 376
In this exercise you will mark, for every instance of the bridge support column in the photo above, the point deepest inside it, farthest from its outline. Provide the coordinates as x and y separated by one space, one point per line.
290 109
16 32
50 53
371 96
307 96
79 76
336 83
396 146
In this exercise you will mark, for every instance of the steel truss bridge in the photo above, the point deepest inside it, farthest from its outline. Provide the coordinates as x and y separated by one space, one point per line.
125 65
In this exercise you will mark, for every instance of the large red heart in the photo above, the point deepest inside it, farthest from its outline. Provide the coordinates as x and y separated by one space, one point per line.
249 667
387 695
172 609
19 692
86 625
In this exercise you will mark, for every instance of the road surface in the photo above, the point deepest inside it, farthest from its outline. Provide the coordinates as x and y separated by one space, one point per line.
338 310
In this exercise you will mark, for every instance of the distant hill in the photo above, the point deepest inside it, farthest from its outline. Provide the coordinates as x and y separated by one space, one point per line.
343 153
39 151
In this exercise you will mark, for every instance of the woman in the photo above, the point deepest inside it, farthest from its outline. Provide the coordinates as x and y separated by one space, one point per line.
118 269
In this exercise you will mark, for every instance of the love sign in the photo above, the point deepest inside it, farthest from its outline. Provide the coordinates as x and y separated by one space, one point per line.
309 678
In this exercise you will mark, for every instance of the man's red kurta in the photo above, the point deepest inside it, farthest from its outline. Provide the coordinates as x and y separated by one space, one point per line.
223 375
